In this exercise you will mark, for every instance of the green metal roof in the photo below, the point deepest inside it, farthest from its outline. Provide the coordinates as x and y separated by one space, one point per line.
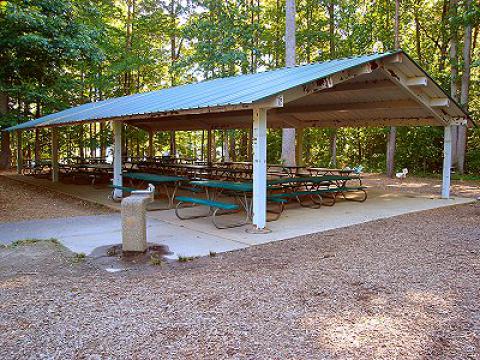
236 90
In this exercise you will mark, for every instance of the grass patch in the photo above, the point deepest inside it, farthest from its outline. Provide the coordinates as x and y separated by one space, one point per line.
184 259
79 257
155 260
29 242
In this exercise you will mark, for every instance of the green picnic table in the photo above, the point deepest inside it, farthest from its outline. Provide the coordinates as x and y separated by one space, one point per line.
156 179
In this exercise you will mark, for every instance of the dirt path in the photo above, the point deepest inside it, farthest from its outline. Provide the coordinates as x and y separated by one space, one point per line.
20 201
405 288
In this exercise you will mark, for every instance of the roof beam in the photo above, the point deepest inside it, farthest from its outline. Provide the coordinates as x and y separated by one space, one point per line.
417 81
385 105
363 85
401 80
378 122
440 102
329 81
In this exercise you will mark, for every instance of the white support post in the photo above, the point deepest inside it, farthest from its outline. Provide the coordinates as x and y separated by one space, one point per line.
447 161
259 146
19 152
55 168
117 158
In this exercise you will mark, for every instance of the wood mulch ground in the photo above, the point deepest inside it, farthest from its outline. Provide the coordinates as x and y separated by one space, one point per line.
406 287
20 201
412 184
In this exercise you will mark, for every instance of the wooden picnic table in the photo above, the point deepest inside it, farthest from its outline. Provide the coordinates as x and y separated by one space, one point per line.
290 170
156 179
329 171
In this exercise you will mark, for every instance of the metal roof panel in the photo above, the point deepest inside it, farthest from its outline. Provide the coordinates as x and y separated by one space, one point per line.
236 90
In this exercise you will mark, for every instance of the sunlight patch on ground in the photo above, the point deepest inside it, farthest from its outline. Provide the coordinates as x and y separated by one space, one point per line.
16 282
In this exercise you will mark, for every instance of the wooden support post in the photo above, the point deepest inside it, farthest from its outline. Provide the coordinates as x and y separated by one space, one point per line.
259 168
117 157
55 171
19 152
151 152
447 161
299 146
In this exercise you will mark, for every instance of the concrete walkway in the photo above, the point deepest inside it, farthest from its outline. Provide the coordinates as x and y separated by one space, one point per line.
83 234
198 237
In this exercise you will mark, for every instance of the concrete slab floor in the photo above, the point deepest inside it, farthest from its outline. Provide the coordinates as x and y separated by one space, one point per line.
100 194
297 221
198 237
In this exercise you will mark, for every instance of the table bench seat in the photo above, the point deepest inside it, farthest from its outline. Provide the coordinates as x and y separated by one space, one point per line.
206 202
214 207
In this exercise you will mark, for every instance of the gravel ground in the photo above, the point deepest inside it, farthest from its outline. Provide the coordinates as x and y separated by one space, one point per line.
421 185
20 201
406 288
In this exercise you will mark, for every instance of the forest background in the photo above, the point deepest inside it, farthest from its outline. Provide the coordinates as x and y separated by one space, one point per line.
55 54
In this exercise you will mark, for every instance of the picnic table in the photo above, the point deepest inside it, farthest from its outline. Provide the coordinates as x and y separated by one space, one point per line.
156 179
279 193
328 171
289 170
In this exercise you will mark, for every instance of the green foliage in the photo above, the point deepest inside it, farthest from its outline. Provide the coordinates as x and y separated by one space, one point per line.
60 53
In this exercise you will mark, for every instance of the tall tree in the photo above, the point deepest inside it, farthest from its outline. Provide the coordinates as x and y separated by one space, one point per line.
331 32
288 135
454 70
392 136
465 86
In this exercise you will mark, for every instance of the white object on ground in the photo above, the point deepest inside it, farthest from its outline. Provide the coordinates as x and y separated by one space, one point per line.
402 175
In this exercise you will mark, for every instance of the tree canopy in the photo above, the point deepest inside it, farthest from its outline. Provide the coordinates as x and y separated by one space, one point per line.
59 53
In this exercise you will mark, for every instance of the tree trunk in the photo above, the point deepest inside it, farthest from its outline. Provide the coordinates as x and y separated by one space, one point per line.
288 135
103 143
92 140
128 44
391 144
333 148
249 144
418 44
464 91
173 144
5 153
81 141
226 153
38 149
233 155
173 43
454 74
397 24
333 137
392 137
